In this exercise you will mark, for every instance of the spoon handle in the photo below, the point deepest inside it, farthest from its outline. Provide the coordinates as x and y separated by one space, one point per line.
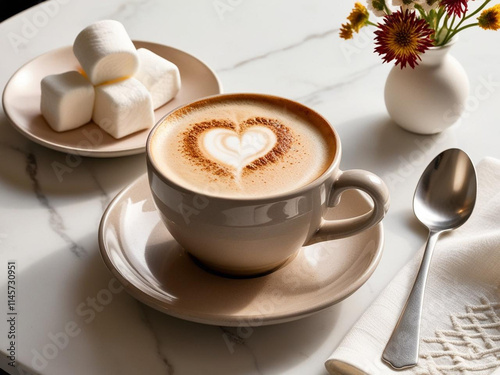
402 349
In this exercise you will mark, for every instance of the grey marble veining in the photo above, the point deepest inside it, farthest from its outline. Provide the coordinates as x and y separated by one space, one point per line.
169 368
283 49
56 221
232 339
315 97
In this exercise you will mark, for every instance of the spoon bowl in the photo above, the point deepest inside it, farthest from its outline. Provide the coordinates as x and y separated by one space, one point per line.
446 192
444 200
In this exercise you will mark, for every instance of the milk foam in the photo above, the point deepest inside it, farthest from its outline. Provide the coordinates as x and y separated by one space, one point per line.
241 149
237 150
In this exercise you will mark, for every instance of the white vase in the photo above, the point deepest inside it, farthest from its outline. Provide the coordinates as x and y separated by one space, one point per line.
431 97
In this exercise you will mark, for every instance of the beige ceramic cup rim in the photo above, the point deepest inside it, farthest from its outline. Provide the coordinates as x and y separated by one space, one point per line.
235 96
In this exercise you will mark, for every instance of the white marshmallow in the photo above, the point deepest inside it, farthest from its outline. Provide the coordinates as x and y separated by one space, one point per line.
67 100
106 52
160 76
123 107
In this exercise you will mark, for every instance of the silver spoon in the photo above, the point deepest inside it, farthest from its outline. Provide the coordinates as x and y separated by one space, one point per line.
444 200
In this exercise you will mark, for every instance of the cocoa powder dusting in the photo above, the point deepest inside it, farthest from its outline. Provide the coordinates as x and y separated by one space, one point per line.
284 141
192 151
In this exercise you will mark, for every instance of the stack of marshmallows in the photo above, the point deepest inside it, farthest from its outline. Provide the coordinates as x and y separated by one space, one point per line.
119 89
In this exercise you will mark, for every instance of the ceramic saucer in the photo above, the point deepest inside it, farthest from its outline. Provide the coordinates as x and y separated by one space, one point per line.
140 252
21 102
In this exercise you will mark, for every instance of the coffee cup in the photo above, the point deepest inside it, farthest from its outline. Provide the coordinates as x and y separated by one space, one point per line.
242 181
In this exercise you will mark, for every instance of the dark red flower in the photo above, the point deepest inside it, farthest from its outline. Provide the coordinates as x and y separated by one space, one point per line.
455 7
403 37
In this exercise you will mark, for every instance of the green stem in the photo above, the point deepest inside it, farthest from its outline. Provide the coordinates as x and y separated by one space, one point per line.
453 21
446 19
386 8
439 16
371 23
477 10
454 31
441 11
437 19
422 13
448 32
440 30
437 28
463 28
458 28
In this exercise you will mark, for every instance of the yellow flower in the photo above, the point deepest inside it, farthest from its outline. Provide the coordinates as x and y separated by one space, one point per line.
346 31
490 18
358 17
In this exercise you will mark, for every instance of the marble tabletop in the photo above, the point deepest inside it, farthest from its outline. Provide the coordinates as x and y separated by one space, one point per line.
48 226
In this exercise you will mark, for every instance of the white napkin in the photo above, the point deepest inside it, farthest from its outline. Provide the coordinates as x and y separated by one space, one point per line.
460 328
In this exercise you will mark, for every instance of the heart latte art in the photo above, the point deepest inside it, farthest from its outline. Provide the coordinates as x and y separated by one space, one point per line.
224 148
237 150
241 149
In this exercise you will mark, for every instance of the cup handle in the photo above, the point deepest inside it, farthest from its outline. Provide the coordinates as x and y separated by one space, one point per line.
353 179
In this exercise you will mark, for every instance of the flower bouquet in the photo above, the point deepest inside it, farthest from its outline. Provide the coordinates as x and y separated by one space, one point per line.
411 27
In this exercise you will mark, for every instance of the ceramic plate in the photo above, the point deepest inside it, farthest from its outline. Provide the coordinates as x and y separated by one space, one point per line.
141 253
21 102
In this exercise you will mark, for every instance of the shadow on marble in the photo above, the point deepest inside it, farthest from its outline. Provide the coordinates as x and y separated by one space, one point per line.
29 168
387 147
396 155
78 319
409 219
181 277
111 332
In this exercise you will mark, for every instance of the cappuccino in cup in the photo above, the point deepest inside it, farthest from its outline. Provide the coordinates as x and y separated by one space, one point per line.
242 181
245 147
